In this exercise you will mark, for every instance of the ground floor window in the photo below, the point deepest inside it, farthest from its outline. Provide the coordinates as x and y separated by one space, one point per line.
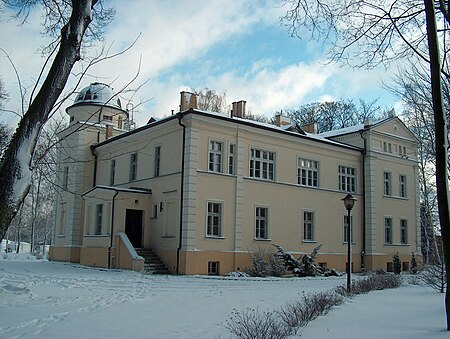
262 217
214 220
213 267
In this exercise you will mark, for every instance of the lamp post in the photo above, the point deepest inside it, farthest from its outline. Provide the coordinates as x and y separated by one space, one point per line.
349 201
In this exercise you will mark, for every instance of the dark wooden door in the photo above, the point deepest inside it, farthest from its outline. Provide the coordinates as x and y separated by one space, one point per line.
133 227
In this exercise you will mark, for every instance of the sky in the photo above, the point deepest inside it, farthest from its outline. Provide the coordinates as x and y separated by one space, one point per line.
237 47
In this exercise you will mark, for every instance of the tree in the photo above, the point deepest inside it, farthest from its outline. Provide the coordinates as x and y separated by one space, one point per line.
369 33
210 100
332 115
70 23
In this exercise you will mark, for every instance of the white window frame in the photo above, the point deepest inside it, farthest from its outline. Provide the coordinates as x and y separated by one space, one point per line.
387 183
155 211
262 164
133 166
388 230
345 229
261 223
215 156
232 159
309 226
404 231
214 229
98 219
402 182
347 179
157 165
307 172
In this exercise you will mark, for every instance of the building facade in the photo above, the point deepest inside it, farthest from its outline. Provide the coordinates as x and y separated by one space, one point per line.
205 189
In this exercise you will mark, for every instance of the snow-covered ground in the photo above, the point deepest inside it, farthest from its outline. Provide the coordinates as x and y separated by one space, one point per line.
46 299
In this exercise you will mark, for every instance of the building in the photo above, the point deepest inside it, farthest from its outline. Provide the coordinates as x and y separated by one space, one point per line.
204 189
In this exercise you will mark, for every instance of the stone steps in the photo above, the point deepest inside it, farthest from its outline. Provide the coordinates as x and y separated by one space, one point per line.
152 263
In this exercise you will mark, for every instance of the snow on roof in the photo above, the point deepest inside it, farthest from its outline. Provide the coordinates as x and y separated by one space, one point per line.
342 131
120 189
98 93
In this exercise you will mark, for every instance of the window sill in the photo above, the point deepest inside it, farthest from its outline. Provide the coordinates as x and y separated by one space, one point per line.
214 237
96 235
168 237
309 241
262 239
345 243
61 235
394 245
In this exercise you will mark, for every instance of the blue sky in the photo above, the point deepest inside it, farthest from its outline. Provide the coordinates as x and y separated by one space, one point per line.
236 46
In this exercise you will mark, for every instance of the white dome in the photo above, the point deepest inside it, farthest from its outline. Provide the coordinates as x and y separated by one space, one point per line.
98 93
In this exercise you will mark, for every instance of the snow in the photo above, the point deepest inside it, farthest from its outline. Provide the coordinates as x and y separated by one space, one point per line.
54 300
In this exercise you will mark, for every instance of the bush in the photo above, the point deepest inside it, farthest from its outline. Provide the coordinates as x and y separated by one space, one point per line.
372 282
434 275
265 264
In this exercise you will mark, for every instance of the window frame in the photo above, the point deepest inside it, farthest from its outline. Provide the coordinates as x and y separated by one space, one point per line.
347 179
262 162
352 238
387 183
133 166
98 219
402 183
404 231
261 229
232 159
307 172
309 226
210 215
157 163
388 231
215 157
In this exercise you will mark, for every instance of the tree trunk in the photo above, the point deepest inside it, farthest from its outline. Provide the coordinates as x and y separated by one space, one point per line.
440 124
16 163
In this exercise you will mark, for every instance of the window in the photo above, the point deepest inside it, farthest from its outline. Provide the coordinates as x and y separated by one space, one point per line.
155 211
231 159
307 172
214 219
401 150
66 177
308 226
107 117
387 230
133 166
262 218
347 179
402 183
346 229
387 183
387 147
213 268
262 164
403 231
215 156
112 172
157 160
98 219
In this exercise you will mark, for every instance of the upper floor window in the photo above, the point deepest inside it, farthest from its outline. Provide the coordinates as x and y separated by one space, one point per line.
98 219
387 183
107 117
308 172
112 172
261 223
387 147
157 160
346 229
401 150
214 219
388 230
403 231
232 159
215 156
133 166
262 164
347 179
402 184
308 226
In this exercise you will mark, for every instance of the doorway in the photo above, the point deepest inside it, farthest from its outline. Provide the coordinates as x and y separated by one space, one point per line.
133 227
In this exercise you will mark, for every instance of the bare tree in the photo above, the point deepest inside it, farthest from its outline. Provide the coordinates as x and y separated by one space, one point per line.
69 23
210 100
369 33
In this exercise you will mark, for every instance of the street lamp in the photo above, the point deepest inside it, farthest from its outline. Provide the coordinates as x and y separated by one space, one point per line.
349 201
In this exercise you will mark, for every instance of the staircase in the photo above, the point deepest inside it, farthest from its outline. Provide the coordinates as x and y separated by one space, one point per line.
152 264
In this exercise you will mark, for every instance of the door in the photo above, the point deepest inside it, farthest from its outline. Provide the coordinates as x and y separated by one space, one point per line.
133 227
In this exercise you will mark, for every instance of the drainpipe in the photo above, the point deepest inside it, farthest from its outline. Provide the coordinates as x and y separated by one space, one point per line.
180 116
364 152
94 180
112 229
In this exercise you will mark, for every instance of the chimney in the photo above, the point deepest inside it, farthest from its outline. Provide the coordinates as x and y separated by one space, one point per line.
109 131
282 120
238 109
310 128
188 101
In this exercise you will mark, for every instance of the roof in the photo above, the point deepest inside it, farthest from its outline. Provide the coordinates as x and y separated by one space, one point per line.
119 189
98 93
